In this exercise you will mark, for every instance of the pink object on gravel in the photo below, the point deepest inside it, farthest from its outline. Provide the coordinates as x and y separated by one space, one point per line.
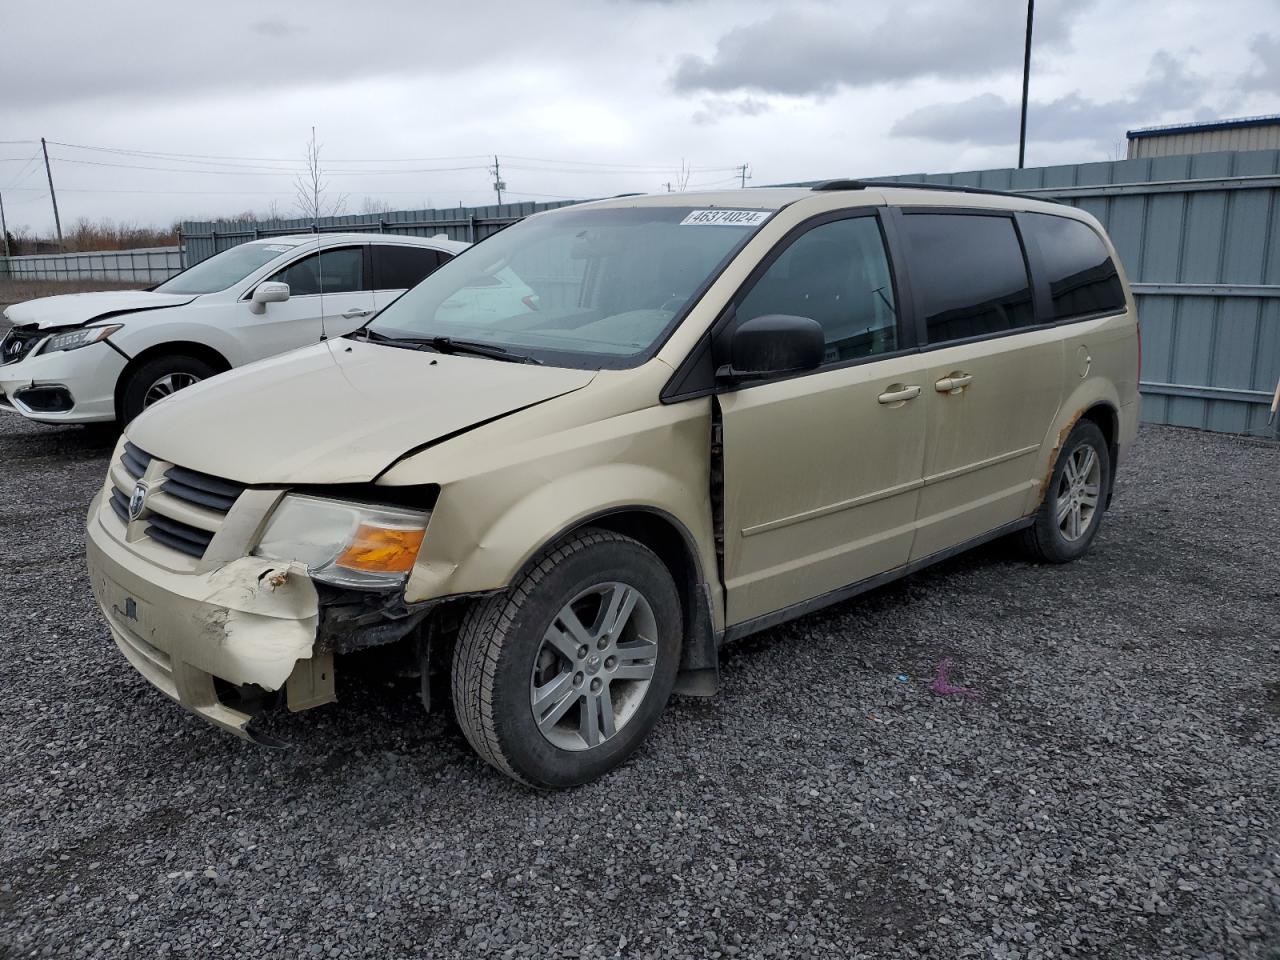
943 687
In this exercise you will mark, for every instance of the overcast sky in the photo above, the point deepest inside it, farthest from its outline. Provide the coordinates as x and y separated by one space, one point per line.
412 98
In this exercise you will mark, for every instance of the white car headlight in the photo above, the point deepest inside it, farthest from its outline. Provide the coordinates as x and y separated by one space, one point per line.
342 543
75 339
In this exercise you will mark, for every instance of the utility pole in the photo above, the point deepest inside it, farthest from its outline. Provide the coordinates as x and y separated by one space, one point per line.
57 221
498 185
4 229
742 170
1026 83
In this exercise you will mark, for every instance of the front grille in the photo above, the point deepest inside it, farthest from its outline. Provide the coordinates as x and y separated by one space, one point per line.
18 343
135 460
202 489
181 536
186 508
120 504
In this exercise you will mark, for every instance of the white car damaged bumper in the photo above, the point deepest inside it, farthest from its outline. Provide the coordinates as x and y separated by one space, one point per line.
67 386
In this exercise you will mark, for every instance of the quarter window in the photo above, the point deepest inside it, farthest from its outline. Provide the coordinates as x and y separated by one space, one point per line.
969 274
836 274
399 268
331 271
1082 276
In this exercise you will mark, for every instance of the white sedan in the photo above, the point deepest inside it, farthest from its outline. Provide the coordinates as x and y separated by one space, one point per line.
94 357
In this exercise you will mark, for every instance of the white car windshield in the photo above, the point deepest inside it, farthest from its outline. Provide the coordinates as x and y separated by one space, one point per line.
224 269
581 287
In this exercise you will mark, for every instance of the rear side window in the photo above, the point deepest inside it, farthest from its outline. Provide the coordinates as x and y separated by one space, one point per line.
399 268
333 271
1082 277
836 274
970 275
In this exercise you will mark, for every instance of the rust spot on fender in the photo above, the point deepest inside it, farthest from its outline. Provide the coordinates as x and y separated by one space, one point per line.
1057 448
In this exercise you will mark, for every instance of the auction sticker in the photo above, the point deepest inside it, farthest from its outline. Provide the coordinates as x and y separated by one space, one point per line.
725 218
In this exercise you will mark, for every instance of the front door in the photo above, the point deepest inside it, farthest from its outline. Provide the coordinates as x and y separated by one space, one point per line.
994 378
822 472
328 296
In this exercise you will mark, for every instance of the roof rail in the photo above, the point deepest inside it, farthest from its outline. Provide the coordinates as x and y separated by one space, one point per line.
913 185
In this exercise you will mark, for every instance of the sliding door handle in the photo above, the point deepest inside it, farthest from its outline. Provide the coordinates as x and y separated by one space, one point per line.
898 394
954 383
355 313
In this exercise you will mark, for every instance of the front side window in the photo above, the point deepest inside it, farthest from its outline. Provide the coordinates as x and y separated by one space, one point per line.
969 274
331 271
582 287
225 269
837 274
1082 277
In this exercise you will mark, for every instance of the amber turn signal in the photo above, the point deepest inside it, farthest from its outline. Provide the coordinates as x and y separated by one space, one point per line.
378 549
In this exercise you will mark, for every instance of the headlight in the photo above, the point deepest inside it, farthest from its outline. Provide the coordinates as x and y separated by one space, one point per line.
75 339
345 544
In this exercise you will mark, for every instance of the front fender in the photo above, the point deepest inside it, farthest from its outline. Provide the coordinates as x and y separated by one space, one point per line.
485 528
135 339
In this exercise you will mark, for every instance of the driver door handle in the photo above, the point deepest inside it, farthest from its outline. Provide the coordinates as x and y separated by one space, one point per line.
899 394
353 313
954 383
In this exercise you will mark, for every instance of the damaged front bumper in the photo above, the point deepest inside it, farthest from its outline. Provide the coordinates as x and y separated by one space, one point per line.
251 621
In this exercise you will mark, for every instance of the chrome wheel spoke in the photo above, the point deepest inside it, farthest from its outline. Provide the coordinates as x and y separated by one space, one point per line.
558 708
1064 508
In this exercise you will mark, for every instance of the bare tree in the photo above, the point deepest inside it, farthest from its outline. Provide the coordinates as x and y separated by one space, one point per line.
273 210
682 179
375 205
311 190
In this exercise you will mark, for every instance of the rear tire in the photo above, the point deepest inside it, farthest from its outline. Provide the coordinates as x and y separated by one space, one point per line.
1071 512
158 378
557 680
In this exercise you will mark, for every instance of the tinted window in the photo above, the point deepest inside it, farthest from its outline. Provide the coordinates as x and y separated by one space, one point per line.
970 275
837 274
333 271
1082 278
399 268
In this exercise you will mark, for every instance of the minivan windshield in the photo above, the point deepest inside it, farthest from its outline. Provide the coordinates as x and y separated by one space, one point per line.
225 269
580 287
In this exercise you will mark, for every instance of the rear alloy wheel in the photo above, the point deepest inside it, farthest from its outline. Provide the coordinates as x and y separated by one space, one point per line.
158 378
560 678
1071 513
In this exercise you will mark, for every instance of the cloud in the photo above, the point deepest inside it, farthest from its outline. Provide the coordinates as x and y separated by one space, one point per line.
816 51
277 28
715 109
1266 77
989 120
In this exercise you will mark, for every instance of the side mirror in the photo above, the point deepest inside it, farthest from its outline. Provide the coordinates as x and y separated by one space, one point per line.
268 292
772 345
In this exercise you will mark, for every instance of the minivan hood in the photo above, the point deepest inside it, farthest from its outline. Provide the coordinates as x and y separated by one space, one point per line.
337 412
74 309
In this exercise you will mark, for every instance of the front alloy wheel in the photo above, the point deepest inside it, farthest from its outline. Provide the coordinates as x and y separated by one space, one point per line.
559 679
589 681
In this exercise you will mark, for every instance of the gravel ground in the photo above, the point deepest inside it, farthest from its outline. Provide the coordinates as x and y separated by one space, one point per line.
1113 791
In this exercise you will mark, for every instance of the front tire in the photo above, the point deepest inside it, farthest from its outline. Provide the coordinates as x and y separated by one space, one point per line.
559 679
157 379
1071 513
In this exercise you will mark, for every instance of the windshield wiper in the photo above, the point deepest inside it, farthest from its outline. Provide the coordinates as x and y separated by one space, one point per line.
450 345
442 344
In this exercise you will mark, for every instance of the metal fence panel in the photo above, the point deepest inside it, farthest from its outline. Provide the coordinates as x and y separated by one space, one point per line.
145 265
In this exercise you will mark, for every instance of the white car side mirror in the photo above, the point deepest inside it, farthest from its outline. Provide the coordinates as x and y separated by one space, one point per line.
268 292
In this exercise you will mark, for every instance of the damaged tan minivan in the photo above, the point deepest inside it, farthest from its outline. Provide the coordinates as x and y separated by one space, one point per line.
576 459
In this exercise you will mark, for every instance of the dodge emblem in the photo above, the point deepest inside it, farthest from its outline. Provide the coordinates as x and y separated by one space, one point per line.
137 501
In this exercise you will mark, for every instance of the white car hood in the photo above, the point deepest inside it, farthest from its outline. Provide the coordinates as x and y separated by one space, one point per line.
75 309
337 412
